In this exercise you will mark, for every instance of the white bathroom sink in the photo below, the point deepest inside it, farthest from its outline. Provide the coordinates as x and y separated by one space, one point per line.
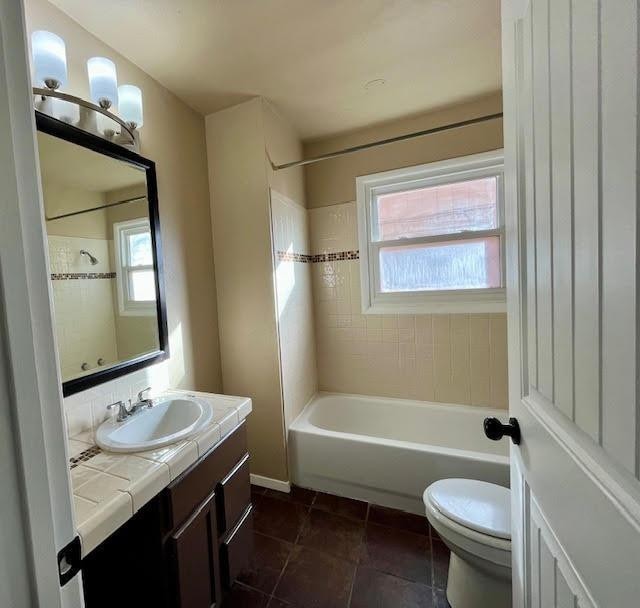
170 420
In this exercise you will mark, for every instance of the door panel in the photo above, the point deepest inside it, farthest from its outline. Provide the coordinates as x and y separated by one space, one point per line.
585 143
580 152
619 198
562 201
563 485
571 156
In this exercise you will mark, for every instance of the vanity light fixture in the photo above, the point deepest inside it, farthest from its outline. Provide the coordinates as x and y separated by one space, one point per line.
96 116
49 59
103 82
130 105
65 111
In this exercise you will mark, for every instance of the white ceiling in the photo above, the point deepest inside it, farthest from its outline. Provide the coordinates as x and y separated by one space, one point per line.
311 58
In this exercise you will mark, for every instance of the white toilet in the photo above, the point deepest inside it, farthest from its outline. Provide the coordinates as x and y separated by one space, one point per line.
473 518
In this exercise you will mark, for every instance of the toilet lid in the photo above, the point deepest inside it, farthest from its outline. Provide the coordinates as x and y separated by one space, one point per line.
478 505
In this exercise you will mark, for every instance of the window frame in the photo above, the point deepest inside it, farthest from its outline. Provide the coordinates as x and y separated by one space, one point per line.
368 187
128 307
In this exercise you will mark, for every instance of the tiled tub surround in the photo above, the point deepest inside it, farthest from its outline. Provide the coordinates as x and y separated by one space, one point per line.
109 488
294 300
83 302
446 358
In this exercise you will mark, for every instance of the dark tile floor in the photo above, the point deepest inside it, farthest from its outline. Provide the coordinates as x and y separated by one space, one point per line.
316 550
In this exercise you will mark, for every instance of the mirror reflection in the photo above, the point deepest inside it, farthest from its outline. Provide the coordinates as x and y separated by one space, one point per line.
101 257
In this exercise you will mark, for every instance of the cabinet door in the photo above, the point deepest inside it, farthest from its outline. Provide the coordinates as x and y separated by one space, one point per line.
195 557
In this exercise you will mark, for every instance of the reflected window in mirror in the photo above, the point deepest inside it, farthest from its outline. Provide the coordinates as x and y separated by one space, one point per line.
134 260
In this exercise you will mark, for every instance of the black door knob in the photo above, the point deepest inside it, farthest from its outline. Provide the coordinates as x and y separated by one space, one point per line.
494 429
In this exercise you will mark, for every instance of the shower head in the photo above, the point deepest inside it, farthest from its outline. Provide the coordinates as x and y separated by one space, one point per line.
92 259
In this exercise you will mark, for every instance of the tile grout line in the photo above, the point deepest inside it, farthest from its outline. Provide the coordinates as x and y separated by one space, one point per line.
294 545
358 561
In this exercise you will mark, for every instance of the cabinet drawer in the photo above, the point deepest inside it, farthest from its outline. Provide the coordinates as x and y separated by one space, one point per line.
234 495
236 548
197 482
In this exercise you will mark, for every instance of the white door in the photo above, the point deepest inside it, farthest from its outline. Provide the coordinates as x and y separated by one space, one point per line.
570 70
34 465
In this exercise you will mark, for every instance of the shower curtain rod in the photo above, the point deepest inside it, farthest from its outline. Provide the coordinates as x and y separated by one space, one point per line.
390 140
127 200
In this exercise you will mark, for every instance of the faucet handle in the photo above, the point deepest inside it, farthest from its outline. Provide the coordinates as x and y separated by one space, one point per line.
123 412
142 392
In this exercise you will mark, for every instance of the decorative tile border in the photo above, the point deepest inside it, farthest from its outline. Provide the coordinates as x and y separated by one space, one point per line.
286 256
83 456
70 276
337 256
305 258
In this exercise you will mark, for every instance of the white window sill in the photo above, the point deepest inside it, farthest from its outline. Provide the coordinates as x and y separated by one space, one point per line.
138 312
491 301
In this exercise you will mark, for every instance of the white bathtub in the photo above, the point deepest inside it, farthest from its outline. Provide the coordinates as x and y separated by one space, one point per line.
387 451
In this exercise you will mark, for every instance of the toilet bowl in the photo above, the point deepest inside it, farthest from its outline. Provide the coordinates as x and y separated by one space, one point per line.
473 518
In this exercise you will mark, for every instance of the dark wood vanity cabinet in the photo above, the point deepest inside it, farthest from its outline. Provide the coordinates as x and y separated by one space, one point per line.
185 548
195 561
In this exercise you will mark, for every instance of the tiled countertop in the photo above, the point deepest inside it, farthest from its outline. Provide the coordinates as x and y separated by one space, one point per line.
108 488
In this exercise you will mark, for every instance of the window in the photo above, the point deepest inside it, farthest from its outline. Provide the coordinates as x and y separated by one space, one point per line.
136 274
432 237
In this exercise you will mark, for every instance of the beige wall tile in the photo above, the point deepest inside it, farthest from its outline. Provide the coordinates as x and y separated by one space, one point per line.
498 358
449 358
459 358
480 376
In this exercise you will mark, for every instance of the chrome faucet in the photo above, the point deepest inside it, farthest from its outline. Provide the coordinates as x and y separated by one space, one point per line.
142 402
123 411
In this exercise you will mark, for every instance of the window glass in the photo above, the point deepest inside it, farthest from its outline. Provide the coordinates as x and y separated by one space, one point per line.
436 210
463 264
140 250
143 287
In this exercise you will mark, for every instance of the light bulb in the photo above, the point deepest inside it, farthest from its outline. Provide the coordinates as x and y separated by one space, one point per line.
49 59
130 105
103 82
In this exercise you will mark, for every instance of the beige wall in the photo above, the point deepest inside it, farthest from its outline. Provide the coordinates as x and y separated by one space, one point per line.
244 274
58 199
446 358
333 181
282 145
174 137
240 141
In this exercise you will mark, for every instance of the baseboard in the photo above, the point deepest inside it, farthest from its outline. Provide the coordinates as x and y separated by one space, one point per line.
272 484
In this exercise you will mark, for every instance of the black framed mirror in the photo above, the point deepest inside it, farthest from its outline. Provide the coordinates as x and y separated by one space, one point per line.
105 254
